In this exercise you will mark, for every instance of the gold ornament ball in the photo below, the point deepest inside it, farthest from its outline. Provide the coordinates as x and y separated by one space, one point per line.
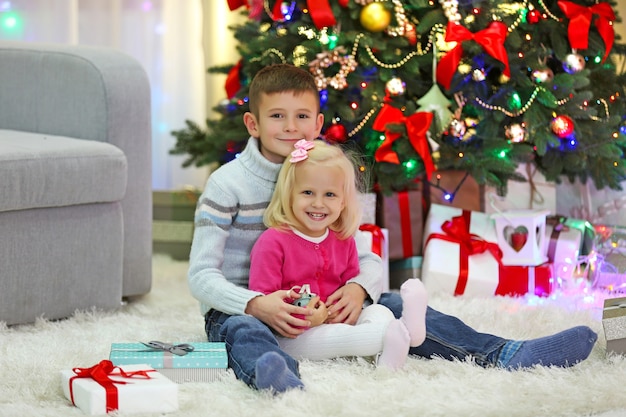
375 17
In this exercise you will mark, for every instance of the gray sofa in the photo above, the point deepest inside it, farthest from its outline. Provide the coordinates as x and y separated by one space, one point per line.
75 180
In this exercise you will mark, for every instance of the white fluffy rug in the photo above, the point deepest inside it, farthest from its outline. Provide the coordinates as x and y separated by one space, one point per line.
31 357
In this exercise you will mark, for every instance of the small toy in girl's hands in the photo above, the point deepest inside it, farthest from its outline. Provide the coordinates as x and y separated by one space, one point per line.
306 296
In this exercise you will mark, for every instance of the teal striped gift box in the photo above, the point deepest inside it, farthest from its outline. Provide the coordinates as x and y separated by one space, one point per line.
205 363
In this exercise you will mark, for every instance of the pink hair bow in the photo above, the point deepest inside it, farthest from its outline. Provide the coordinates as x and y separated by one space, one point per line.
301 153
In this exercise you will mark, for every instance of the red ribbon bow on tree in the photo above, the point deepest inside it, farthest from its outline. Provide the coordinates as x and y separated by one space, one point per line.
233 83
580 21
101 374
417 125
457 231
321 13
491 39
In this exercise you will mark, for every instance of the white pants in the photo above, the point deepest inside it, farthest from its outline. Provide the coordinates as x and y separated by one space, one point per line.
329 341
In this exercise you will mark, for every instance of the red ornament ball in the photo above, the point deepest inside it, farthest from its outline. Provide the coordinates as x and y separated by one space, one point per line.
562 126
336 133
534 16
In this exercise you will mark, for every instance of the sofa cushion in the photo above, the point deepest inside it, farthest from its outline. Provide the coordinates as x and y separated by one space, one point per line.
38 170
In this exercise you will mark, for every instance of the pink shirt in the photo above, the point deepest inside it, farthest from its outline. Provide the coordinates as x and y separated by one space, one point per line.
280 259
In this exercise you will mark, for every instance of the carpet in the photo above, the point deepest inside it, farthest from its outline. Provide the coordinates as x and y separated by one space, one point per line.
31 357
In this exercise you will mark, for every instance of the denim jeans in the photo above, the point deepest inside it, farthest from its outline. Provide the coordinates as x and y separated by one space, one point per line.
448 337
246 338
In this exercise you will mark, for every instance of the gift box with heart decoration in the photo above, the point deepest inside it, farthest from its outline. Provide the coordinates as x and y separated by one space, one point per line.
185 362
521 236
128 389
461 257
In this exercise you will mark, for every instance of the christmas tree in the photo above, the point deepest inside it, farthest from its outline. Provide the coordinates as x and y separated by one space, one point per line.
419 85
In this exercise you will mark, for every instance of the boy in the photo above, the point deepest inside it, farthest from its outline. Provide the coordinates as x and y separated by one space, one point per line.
284 108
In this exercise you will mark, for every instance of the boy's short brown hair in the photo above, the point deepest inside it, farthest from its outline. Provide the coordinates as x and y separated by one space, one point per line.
279 78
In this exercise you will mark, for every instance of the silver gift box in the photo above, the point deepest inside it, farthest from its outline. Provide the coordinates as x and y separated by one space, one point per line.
614 323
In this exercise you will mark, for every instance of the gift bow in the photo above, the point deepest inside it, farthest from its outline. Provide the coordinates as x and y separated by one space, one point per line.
491 39
417 125
233 83
321 13
457 231
180 349
101 374
377 237
580 21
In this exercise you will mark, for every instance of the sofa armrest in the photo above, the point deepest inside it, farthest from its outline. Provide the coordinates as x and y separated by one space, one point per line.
91 93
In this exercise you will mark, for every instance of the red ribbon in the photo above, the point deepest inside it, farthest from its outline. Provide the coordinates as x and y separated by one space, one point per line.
417 126
100 373
580 21
233 84
235 4
320 11
491 39
377 237
457 231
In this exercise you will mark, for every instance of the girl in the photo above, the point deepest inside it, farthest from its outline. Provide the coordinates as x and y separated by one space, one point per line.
311 219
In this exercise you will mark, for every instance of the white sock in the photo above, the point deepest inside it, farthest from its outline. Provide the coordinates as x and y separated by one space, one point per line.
395 346
414 303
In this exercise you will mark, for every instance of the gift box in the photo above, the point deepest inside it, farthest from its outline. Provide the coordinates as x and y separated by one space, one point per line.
521 280
534 193
564 239
173 222
607 268
586 202
377 238
614 324
104 388
462 258
463 189
205 363
367 201
403 269
402 214
460 253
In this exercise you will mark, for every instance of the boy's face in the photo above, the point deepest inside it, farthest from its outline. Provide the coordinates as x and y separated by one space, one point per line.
317 198
284 119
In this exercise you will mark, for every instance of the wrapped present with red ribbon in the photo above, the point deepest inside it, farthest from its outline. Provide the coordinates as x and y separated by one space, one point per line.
469 237
378 240
105 388
402 214
521 280
460 253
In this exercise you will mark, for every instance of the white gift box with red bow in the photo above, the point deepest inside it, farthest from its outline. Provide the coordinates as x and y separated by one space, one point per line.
378 239
142 390
443 267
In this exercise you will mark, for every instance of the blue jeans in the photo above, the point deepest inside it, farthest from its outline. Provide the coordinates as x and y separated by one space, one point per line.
246 338
448 337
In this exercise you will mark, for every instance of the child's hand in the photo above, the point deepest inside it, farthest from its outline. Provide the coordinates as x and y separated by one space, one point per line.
318 310
272 310
346 303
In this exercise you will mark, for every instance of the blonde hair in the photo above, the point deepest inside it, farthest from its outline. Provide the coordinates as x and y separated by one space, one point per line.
323 155
280 78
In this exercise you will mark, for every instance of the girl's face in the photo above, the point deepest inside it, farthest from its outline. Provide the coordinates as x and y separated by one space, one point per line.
317 198
284 119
